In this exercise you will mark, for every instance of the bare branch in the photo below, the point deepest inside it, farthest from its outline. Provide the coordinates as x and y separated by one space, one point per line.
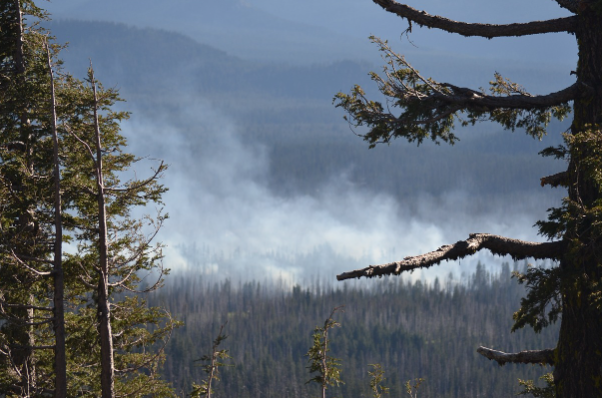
84 143
34 259
140 184
35 347
472 98
498 245
24 306
421 18
27 267
542 357
151 288
47 321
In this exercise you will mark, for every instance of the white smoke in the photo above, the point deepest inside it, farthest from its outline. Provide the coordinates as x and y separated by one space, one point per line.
225 221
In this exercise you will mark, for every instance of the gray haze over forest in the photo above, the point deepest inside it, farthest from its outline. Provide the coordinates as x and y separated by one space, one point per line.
266 179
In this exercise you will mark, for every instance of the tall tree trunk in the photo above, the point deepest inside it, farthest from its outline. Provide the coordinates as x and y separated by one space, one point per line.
60 359
578 372
104 306
28 366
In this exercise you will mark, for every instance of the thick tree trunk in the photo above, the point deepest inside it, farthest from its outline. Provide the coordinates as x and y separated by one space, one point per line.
578 371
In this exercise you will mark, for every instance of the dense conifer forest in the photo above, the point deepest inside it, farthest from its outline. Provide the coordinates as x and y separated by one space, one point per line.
414 330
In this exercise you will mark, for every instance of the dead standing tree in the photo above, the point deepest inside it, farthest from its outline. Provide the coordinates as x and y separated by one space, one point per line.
427 109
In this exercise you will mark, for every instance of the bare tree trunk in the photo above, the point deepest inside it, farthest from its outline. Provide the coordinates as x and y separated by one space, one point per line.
104 306
60 359
29 363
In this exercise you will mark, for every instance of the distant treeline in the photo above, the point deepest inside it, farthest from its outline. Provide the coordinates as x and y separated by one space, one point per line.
412 329
288 110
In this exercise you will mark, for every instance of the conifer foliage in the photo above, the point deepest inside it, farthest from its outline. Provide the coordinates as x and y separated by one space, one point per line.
212 368
420 108
71 320
327 367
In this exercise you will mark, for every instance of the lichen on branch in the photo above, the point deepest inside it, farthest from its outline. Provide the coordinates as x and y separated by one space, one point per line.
498 245
542 357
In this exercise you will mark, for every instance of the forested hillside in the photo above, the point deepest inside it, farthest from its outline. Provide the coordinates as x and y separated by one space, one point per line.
413 330
269 193
287 110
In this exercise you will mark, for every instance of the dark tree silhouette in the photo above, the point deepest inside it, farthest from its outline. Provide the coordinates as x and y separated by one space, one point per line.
419 108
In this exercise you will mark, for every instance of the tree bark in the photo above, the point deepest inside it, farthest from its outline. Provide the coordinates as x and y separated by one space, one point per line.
498 245
542 357
60 358
28 366
567 24
104 306
578 372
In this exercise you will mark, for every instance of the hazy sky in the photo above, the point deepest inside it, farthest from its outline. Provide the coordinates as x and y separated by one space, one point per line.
289 29
224 218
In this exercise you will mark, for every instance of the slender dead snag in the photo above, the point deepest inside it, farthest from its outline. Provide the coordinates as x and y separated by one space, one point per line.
498 245
19 58
104 306
60 359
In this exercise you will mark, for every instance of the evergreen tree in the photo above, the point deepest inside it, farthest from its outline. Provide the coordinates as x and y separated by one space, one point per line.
212 368
27 207
114 250
81 329
428 109
328 368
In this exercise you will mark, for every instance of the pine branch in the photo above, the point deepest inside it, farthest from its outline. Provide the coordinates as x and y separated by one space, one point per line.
428 108
542 357
568 24
571 5
498 245
555 180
